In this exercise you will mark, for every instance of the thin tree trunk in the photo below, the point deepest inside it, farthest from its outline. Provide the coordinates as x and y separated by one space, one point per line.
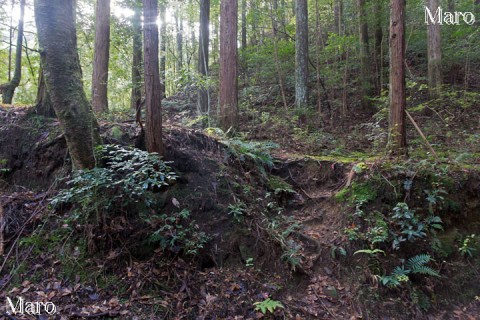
253 36
451 5
378 9
317 57
153 130
397 143
345 85
57 41
101 56
228 93
137 62
434 51
365 70
338 16
301 54
10 43
179 26
204 39
9 89
244 24
163 43
273 13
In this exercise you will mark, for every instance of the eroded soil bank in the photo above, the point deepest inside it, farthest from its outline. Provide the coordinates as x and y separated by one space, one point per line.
312 234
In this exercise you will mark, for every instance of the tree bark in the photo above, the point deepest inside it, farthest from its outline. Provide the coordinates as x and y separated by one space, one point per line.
204 40
43 105
153 130
137 62
378 9
301 54
9 88
228 116
244 24
365 69
101 56
434 52
397 143
63 76
179 26
163 46
338 16
274 16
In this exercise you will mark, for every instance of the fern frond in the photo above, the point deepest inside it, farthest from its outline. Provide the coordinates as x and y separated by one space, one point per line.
418 261
400 271
417 265
426 271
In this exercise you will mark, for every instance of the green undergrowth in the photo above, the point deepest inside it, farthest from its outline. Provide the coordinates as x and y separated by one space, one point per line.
114 210
409 223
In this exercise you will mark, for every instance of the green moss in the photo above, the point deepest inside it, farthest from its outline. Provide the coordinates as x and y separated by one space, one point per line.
357 192
345 158
116 133
277 185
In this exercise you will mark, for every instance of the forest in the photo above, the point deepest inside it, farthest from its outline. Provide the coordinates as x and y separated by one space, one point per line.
240 159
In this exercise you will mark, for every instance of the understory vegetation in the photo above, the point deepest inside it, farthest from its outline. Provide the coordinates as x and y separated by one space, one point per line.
245 162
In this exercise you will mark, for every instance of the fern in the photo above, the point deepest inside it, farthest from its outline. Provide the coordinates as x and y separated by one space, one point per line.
418 261
414 265
417 265
258 152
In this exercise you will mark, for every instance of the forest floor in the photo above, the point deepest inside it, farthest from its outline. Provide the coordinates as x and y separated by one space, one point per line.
277 245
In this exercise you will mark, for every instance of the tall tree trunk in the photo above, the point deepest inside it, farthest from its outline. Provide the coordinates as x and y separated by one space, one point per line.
101 56
378 10
476 10
451 5
318 42
204 39
274 15
244 24
283 19
338 16
57 40
179 27
228 94
301 54
163 46
9 89
397 142
253 34
434 51
43 105
153 130
10 43
365 70
137 61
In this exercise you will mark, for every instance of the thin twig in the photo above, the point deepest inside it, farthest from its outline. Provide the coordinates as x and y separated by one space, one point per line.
422 135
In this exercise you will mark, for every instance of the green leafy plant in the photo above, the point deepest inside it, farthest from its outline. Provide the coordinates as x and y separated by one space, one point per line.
414 265
371 252
409 226
237 210
3 164
280 230
175 232
127 181
291 253
268 305
258 152
467 246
